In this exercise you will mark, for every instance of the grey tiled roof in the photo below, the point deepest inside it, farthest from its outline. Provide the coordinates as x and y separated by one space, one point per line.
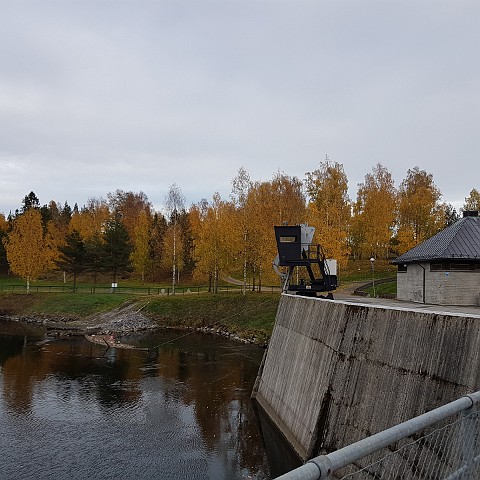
458 241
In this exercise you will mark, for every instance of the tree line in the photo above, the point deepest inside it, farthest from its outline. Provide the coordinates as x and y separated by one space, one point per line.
225 237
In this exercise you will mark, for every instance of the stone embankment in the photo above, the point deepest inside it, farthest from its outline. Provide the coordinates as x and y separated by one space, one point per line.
125 319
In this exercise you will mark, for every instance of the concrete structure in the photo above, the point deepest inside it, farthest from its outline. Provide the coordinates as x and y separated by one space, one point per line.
445 269
337 372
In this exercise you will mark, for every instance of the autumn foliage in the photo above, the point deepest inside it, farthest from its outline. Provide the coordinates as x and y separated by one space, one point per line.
224 238
28 247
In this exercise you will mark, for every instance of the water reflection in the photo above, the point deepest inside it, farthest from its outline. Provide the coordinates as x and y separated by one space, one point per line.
70 408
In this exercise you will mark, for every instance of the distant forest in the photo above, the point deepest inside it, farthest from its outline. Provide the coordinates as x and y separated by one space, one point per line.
123 236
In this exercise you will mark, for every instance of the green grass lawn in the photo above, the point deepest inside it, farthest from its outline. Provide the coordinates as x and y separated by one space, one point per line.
361 270
388 288
61 304
81 305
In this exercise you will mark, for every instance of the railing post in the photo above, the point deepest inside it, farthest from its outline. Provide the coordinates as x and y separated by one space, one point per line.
469 421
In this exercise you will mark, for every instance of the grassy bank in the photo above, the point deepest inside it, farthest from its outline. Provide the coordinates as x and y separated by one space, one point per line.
387 288
75 306
249 316
252 315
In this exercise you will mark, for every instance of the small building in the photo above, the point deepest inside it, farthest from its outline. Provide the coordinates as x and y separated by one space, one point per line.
445 269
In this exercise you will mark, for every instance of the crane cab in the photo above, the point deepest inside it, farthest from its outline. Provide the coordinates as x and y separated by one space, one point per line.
295 249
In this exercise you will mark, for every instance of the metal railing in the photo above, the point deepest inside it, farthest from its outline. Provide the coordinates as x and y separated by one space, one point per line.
134 290
441 444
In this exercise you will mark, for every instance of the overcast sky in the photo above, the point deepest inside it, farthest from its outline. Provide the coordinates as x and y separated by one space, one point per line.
99 95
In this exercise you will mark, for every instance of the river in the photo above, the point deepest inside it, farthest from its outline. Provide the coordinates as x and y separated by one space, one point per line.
182 410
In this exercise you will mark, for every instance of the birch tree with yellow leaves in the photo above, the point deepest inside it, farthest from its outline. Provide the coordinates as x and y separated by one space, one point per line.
29 251
375 212
271 203
329 209
213 252
174 205
420 214
472 202
91 220
241 186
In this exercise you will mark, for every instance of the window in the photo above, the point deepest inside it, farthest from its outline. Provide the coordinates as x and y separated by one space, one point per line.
456 266
402 267
290 239
462 266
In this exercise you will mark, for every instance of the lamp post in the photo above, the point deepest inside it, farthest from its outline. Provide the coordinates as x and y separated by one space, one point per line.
372 262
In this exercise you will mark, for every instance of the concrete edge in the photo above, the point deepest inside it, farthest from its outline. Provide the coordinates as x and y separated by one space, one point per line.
278 423
390 307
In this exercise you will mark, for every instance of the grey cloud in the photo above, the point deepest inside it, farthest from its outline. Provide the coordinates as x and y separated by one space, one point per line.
99 95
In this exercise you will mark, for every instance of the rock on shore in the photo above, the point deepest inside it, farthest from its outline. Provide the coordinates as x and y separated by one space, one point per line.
127 318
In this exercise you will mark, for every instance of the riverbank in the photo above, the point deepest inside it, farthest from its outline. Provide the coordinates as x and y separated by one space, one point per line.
247 318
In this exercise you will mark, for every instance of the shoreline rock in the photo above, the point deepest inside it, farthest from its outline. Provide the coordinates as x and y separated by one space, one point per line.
122 322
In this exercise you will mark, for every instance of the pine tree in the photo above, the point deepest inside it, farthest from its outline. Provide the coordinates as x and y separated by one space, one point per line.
4 227
30 201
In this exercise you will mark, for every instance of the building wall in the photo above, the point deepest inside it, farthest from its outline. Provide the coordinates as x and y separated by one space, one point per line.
441 287
337 372
410 284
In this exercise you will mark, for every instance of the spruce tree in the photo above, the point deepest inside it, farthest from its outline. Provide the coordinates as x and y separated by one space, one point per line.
116 249
94 253
73 256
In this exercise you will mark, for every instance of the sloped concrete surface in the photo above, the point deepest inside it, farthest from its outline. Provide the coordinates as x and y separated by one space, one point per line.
338 371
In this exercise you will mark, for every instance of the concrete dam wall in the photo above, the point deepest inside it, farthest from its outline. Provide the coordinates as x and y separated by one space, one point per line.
336 372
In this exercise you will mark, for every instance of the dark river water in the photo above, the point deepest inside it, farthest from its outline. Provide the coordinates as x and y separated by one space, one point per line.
70 409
